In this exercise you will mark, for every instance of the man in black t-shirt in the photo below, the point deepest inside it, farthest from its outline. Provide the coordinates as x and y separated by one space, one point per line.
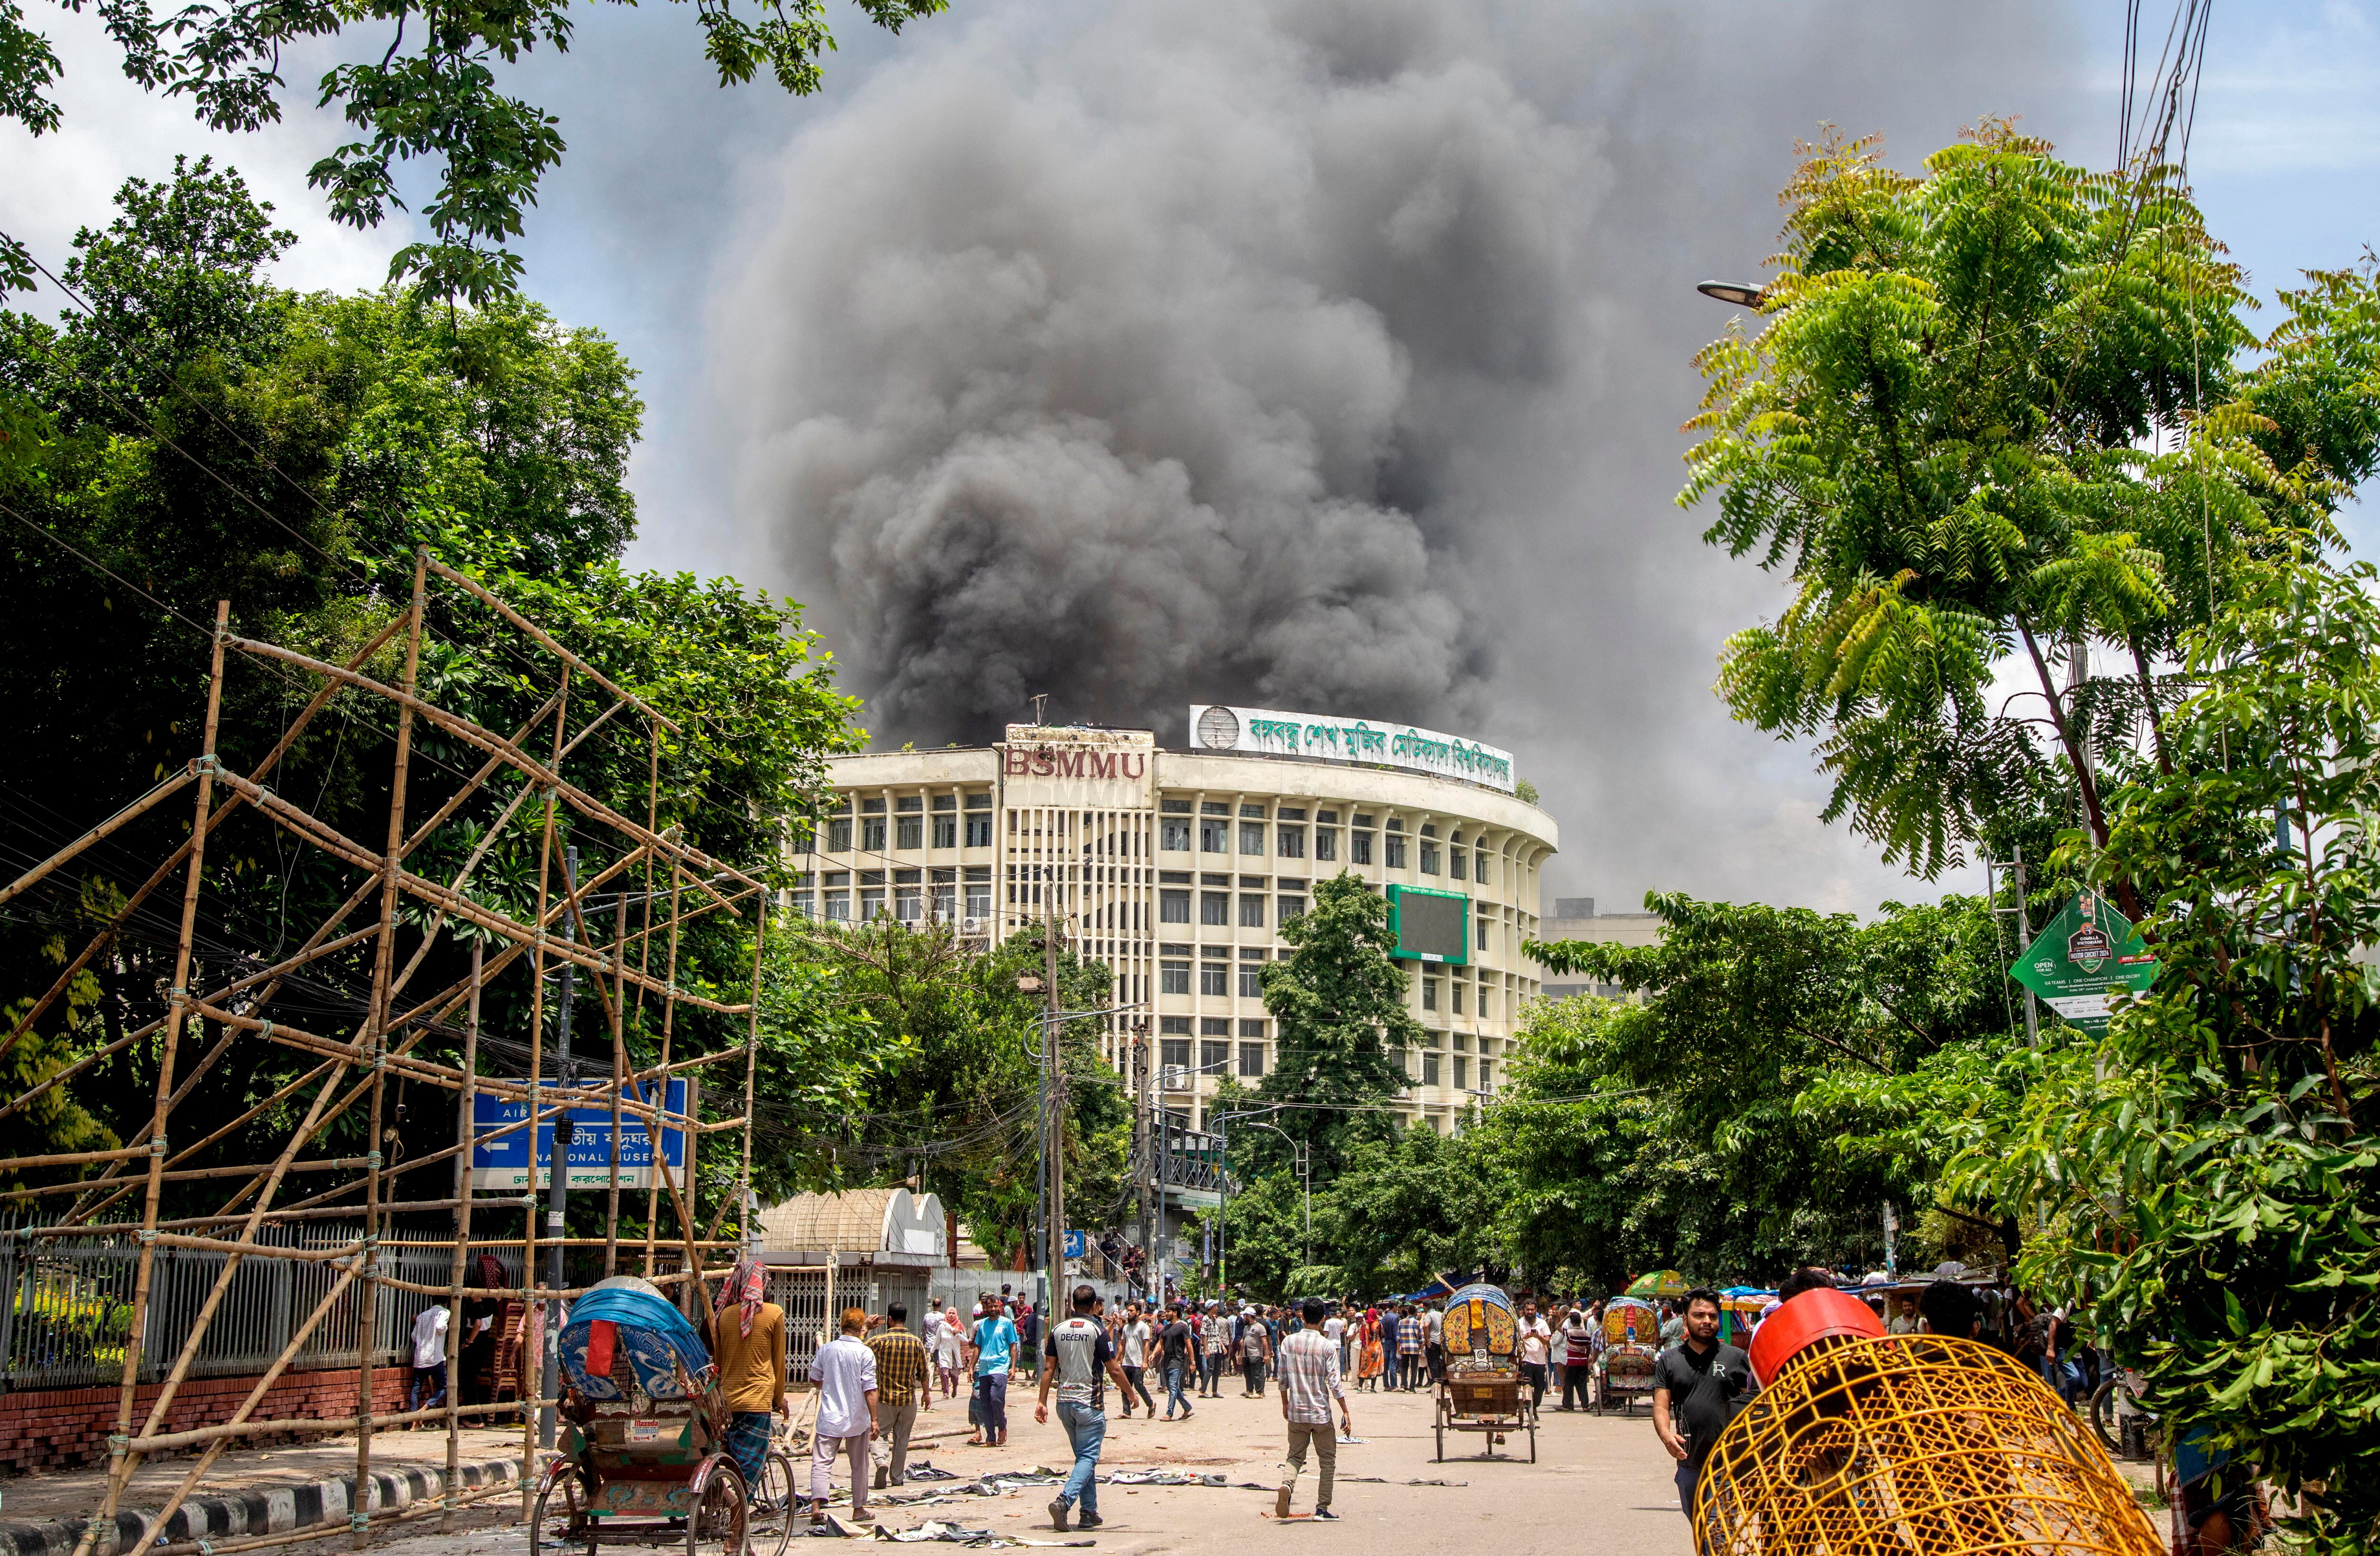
1697 1388
1181 1355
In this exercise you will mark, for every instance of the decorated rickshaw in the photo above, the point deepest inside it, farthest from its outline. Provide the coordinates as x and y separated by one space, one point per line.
643 1449
1631 1344
1482 1390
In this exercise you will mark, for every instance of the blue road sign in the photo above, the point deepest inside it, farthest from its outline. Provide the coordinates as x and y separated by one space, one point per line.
504 1162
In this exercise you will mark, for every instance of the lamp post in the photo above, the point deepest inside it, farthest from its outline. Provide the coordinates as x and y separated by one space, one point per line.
1223 1206
1741 293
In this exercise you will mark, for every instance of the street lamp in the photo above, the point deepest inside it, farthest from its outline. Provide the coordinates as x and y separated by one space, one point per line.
1741 293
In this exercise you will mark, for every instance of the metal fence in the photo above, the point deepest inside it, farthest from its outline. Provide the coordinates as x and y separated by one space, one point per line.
70 1310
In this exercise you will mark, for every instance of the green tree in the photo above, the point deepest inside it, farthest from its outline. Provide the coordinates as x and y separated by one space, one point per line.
205 435
1342 1028
430 92
2009 407
2004 410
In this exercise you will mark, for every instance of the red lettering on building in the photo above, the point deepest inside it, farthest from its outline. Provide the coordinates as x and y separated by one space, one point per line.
1042 765
1015 762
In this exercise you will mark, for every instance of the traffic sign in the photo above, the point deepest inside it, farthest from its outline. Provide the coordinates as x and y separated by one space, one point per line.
2085 955
504 1162
1077 1244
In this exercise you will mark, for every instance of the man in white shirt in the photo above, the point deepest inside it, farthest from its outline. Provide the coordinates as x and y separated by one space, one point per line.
429 1359
845 1371
1536 1349
1136 1337
1334 1330
1433 1343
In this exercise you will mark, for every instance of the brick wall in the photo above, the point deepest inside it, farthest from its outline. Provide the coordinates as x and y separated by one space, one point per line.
56 1428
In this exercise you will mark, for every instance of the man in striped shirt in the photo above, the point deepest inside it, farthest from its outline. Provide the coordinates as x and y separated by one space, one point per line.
902 1369
1410 1332
1308 1366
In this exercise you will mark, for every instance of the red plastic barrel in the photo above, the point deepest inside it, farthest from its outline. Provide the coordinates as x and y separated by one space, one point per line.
1812 1316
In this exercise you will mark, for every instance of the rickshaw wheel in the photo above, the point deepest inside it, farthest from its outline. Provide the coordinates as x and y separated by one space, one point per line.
717 1525
774 1505
542 1541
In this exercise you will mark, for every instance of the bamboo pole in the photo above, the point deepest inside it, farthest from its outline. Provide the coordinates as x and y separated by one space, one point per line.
132 903
383 967
532 1309
466 1127
120 1459
669 1016
570 661
124 818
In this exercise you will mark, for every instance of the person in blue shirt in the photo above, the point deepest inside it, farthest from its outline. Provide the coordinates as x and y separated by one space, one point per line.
992 1345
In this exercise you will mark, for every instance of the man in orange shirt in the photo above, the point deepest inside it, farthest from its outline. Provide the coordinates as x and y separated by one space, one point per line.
748 1345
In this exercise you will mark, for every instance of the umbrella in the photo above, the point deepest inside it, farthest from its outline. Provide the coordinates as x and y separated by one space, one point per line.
1661 1282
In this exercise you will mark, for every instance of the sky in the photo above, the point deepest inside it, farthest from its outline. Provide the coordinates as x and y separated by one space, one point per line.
1322 354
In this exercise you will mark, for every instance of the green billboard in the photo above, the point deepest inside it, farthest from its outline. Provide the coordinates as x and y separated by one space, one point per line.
2085 956
1430 926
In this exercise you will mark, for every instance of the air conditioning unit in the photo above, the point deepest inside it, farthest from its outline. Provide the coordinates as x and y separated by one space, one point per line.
970 926
1176 1077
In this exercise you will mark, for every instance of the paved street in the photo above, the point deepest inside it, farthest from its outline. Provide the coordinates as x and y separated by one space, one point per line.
1600 1484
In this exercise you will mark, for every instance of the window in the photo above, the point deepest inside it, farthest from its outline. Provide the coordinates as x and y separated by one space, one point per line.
1478 868
1173 978
1251 911
979 801
872 808
1325 848
1214 837
871 902
909 903
946 835
1169 949
1174 1025
1256 810
1429 854
1359 850
1396 851
1484 1010
1455 992
946 895
1172 908
1429 994
946 802
1215 977
1486 1077
871 834
1173 1052
1252 1028
1251 981
1455 861
1251 1062
1428 1071
1292 847
1482 945
1214 908
909 831
1461 1073
1461 1042
1213 808
1175 807
1173 837
1213 1056
838 841
979 891
838 911
1252 838
979 832
1289 908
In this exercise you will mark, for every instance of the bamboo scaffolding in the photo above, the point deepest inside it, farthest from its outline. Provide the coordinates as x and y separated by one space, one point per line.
352 1072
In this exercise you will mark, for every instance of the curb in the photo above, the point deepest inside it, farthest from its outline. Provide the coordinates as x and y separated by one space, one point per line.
278 1511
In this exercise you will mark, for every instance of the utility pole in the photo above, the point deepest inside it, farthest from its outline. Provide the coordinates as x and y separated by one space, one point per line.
2024 945
1055 1154
557 1170
1144 1159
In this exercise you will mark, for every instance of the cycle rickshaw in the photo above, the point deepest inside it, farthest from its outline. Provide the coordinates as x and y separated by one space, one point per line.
1482 1390
643 1451
1631 1343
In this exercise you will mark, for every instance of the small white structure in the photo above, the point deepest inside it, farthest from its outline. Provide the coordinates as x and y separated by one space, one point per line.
873 1225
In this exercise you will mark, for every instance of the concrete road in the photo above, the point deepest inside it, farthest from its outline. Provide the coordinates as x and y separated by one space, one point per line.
1600 1484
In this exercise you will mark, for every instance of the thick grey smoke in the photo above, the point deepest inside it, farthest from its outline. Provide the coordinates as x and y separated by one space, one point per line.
1325 354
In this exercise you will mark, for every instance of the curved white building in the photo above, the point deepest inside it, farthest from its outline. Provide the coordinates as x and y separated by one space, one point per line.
1178 867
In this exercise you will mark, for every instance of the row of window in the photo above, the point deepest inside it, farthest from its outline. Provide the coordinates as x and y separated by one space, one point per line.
1215 908
1215 1052
1431 1069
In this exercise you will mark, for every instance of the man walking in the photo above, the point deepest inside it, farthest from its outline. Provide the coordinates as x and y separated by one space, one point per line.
1409 1341
1136 1338
1081 1360
1433 1341
992 1344
1535 1344
749 1344
1310 1383
903 1388
845 1371
1255 1349
1698 1385
1578 1360
1180 1354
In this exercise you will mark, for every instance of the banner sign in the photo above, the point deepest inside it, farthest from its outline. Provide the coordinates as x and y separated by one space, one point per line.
1267 731
2082 958
504 1162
